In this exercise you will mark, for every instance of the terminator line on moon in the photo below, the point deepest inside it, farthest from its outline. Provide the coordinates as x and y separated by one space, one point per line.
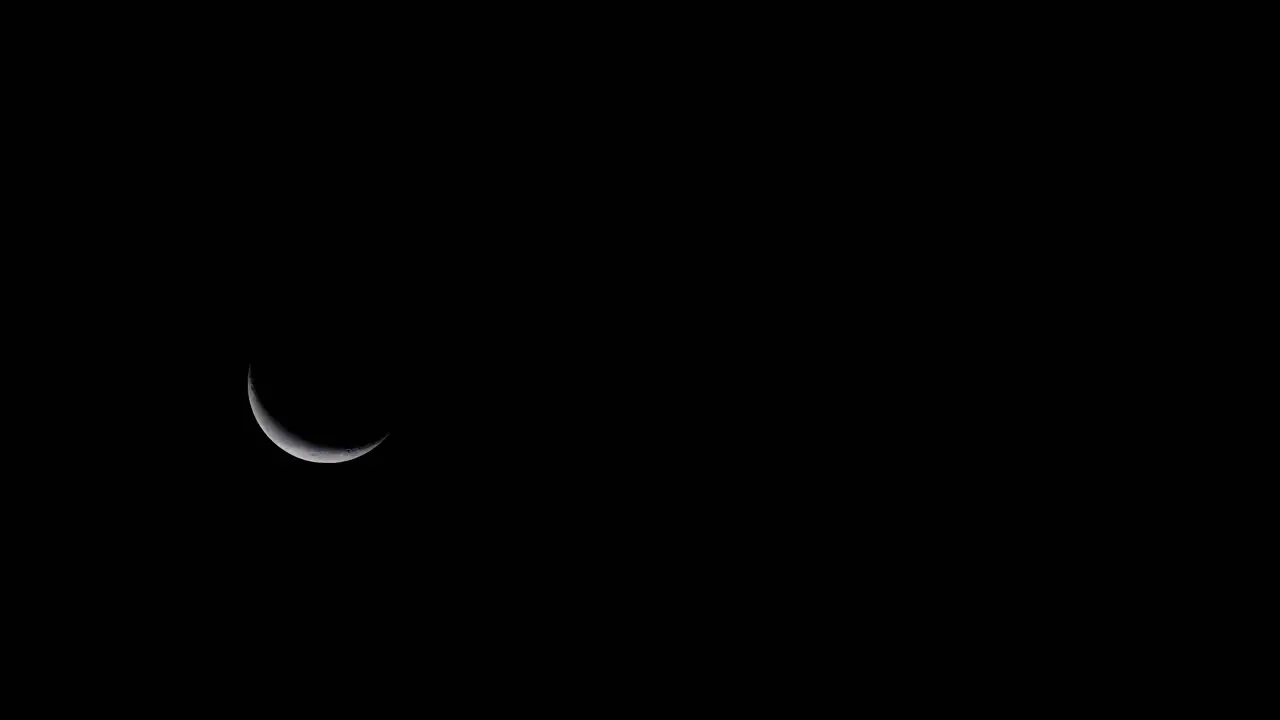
298 446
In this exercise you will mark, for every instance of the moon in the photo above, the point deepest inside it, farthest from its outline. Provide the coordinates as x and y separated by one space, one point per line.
298 446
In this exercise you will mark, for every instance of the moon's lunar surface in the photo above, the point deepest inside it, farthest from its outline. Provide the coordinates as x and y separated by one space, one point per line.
319 412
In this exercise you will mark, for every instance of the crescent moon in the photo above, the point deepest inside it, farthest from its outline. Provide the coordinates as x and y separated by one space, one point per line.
297 446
